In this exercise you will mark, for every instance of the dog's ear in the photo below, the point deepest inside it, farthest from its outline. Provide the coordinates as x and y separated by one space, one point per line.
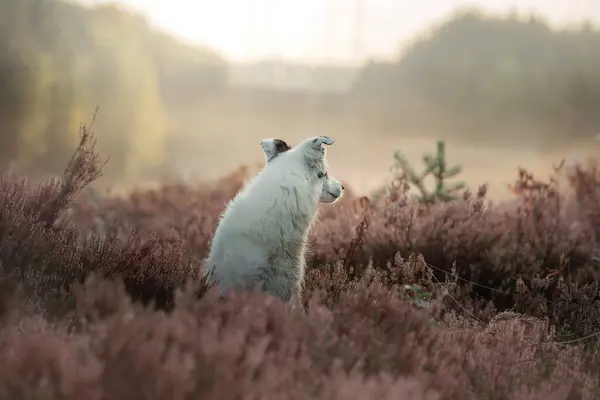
319 141
274 147
313 149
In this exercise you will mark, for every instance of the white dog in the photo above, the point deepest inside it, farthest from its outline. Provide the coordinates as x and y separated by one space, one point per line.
262 236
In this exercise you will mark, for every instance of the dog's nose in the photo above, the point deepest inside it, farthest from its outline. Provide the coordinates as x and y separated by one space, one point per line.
343 186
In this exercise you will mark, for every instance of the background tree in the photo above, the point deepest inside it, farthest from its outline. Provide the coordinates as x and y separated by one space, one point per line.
504 67
59 61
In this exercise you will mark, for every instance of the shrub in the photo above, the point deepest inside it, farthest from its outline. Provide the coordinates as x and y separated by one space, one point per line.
92 308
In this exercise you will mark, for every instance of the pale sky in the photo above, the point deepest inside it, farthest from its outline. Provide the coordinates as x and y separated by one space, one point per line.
325 31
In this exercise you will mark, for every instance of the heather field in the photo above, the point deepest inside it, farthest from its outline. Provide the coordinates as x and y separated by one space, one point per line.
103 298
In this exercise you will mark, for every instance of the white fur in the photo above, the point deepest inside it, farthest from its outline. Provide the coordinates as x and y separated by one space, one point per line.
262 236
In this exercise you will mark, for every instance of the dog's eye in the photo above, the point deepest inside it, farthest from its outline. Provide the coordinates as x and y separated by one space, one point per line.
321 174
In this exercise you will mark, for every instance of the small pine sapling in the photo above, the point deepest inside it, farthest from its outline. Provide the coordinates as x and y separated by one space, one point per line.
435 165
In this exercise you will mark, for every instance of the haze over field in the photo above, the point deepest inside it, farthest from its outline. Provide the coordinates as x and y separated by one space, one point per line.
194 97
326 31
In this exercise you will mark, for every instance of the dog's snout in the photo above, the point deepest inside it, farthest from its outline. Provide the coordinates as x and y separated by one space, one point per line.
343 186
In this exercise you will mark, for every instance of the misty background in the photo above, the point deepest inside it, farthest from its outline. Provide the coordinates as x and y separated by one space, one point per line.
188 88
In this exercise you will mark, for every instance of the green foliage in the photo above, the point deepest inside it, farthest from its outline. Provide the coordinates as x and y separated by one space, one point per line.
435 165
418 295
420 298
496 67
59 61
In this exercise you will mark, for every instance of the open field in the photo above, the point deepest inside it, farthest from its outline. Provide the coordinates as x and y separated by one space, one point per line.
102 293
215 135
453 301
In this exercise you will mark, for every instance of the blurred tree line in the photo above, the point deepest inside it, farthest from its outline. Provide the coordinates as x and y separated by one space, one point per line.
511 67
60 60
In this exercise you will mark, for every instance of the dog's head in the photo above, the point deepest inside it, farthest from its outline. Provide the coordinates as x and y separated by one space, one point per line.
312 153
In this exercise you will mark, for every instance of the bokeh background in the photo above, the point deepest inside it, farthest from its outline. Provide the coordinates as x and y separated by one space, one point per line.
187 88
